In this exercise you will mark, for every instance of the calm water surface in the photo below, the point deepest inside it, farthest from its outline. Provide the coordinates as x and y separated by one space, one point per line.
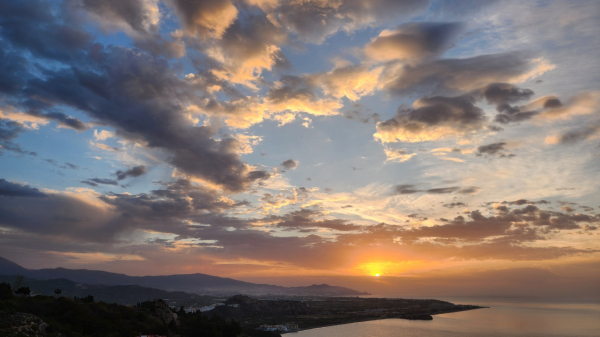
504 318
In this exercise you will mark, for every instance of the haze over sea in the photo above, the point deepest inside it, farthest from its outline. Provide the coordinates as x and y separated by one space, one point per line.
504 317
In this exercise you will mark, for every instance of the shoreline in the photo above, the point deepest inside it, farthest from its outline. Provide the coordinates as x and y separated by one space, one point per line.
377 319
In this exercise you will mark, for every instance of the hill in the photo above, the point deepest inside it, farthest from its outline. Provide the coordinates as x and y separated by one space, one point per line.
195 283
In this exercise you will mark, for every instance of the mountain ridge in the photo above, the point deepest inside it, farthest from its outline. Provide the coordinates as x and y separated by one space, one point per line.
195 283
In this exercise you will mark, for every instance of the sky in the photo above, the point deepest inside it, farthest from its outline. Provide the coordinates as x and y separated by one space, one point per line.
293 141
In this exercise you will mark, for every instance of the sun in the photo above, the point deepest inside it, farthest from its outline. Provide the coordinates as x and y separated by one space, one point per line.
377 275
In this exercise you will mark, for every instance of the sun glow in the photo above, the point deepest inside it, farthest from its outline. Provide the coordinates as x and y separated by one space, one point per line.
377 275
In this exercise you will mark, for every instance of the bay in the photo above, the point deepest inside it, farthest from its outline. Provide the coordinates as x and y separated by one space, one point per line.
505 317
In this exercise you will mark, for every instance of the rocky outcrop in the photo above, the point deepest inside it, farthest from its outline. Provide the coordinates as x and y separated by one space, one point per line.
21 324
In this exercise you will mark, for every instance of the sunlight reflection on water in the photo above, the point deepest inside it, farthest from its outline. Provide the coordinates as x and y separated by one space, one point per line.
504 318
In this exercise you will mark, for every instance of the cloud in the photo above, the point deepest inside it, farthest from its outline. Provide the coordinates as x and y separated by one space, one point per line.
398 155
497 149
412 42
575 135
17 190
432 118
99 181
347 80
313 21
134 172
249 46
583 103
289 164
205 18
103 134
449 76
297 94
141 97
410 189
139 16
10 130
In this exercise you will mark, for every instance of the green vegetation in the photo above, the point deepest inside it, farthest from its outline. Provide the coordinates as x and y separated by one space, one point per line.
83 317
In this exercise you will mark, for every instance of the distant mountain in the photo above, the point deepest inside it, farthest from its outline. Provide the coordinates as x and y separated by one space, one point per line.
126 295
195 283
10 268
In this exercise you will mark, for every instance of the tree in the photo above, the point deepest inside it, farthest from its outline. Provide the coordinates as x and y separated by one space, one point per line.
18 280
5 291
23 291
57 291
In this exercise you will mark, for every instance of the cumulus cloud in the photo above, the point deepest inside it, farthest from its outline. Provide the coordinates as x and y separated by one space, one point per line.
297 94
347 80
246 48
151 94
432 118
412 42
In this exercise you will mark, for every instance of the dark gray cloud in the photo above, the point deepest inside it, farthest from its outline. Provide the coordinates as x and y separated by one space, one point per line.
289 164
10 130
405 189
580 134
314 21
413 42
502 95
494 149
136 14
443 190
140 95
410 189
31 25
432 118
134 172
455 204
100 181
70 166
17 190
451 76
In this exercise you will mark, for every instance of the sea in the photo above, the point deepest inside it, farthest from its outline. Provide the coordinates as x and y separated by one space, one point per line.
504 317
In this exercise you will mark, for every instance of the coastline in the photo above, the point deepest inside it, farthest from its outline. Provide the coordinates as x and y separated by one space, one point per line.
368 319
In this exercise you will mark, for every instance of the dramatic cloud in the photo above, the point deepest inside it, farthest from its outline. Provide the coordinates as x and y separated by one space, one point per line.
432 118
16 190
134 172
412 42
